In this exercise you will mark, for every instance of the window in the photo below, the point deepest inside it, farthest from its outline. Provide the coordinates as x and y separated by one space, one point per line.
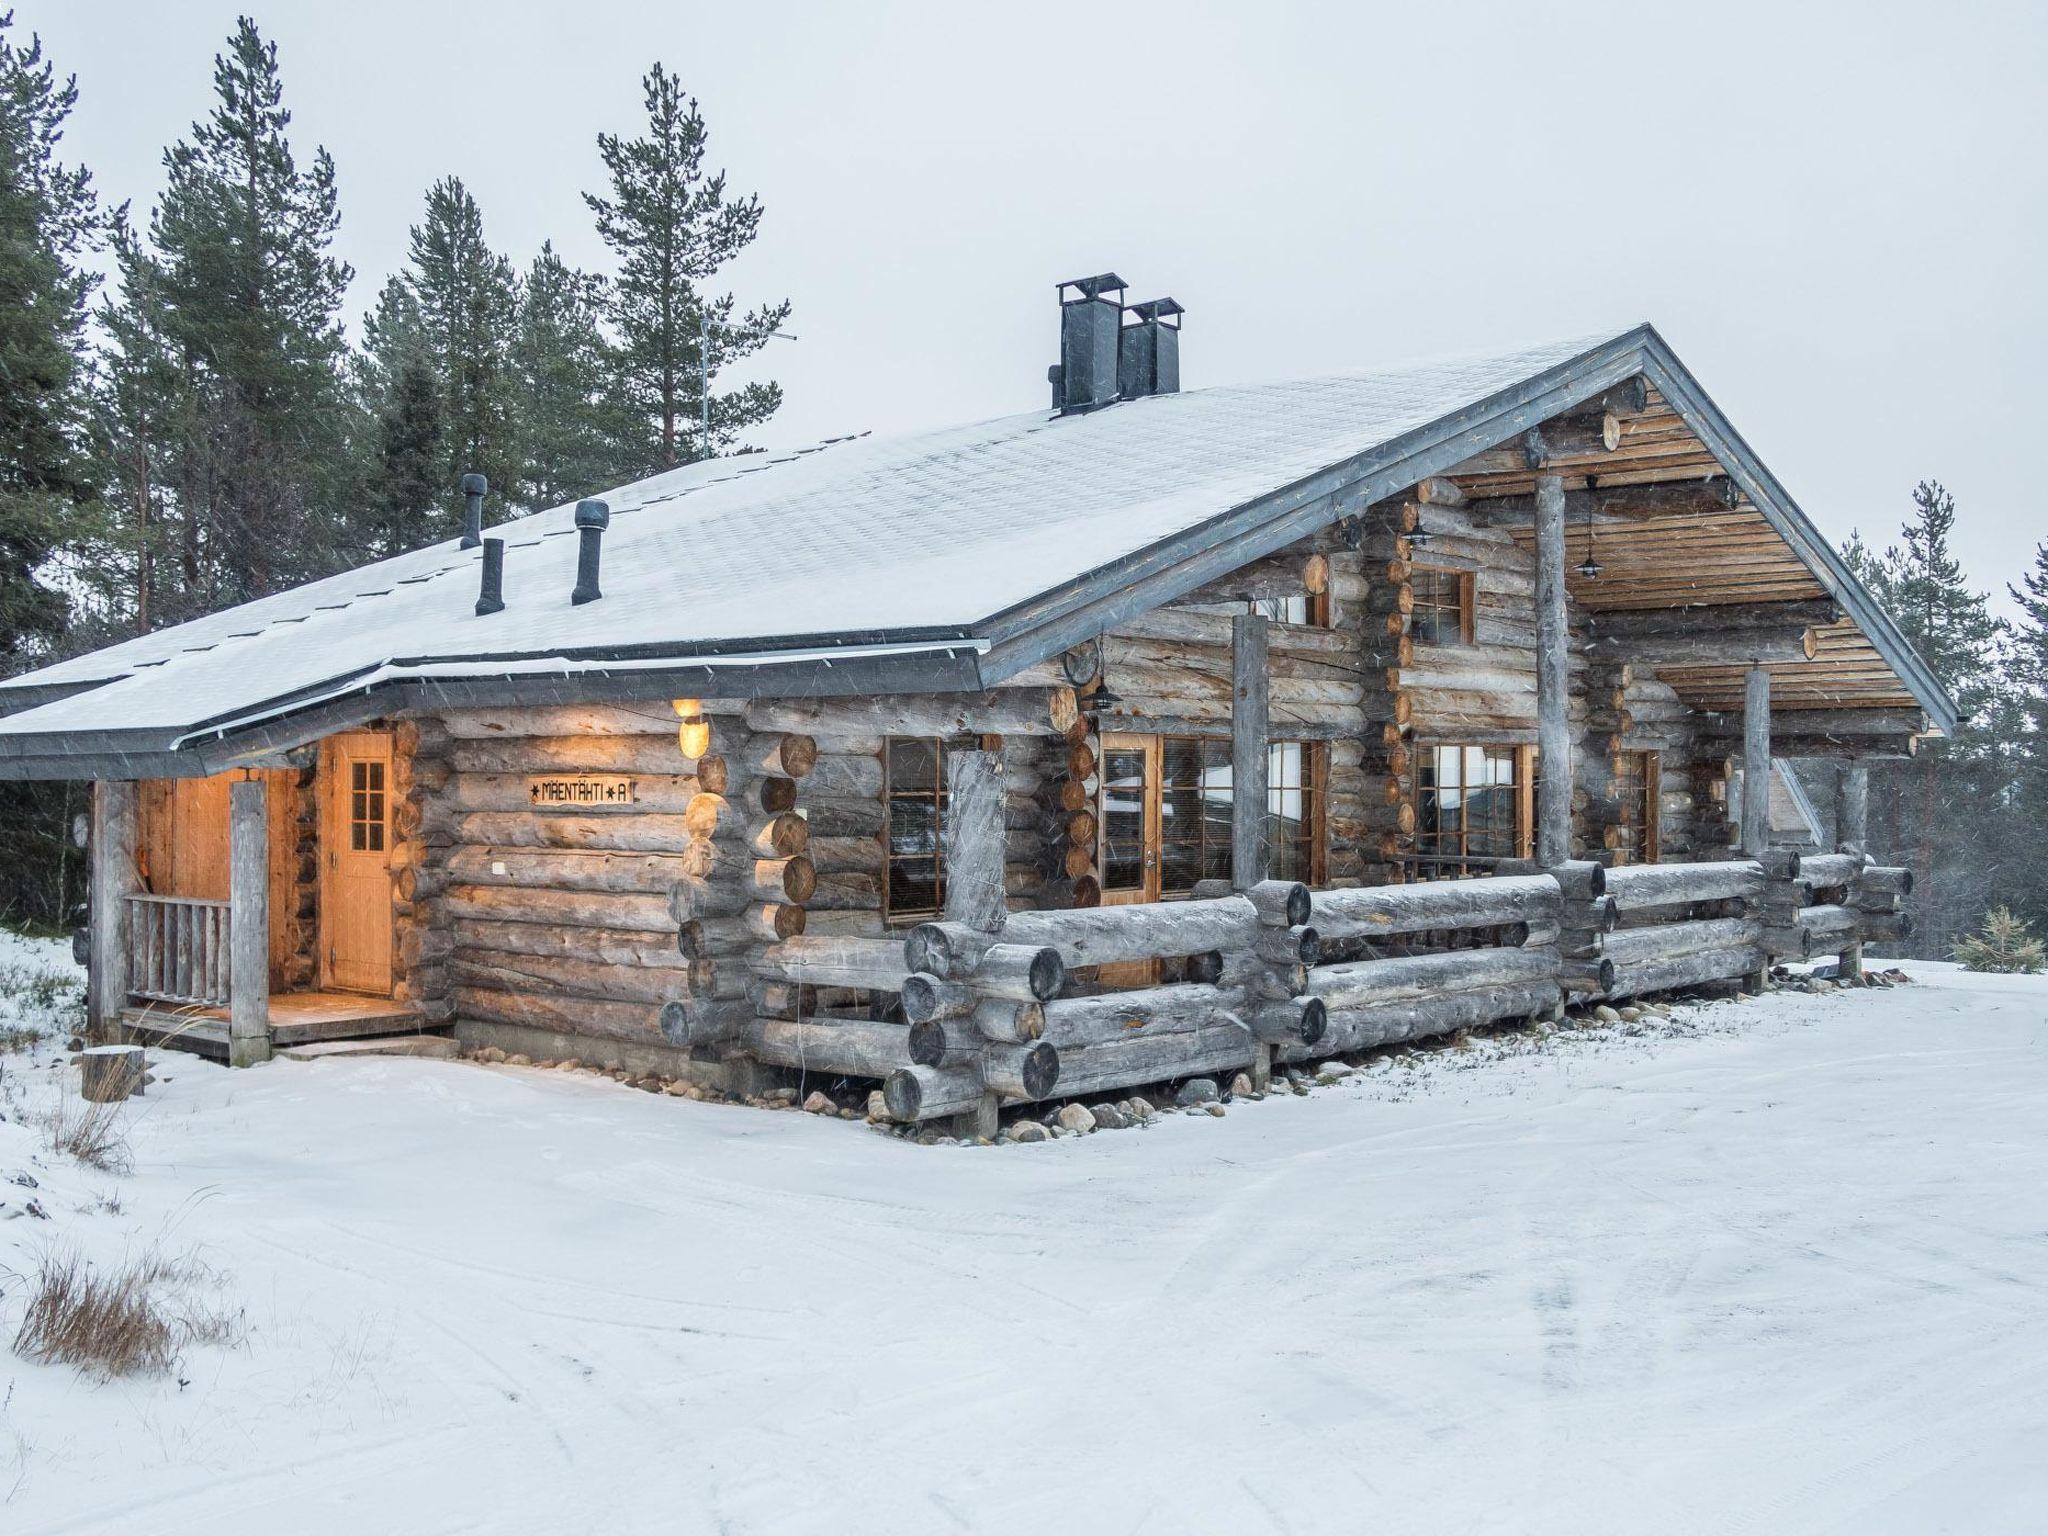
914 784
1637 790
1471 809
366 807
1309 608
1443 606
1296 772
1194 812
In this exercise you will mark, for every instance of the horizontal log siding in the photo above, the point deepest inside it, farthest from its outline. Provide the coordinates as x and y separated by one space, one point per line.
559 920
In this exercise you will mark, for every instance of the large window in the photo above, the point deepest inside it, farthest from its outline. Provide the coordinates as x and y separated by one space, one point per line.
1443 606
1637 790
915 787
1471 809
1194 811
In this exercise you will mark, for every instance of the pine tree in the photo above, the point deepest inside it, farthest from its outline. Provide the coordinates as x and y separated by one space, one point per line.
249 298
569 427
138 396
2028 669
49 223
411 480
673 228
467 299
1946 809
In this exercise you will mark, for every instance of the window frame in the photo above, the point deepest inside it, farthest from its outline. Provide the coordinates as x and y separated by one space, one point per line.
1466 601
1642 793
892 916
1434 864
1312 843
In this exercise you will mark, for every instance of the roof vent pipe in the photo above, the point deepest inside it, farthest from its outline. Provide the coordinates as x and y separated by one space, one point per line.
492 598
592 518
1085 375
1148 352
473 488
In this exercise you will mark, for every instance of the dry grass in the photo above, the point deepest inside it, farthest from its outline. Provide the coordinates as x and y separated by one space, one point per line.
92 1133
132 1321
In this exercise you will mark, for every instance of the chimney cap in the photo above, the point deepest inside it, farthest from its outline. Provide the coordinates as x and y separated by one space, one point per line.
592 514
1093 287
1157 309
474 484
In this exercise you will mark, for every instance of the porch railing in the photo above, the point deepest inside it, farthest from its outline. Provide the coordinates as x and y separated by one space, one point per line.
178 950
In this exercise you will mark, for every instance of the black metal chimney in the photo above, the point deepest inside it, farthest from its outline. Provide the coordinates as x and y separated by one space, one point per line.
1085 375
592 518
1148 353
473 488
492 598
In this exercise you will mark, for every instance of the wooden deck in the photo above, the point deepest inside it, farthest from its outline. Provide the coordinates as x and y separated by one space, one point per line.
296 1018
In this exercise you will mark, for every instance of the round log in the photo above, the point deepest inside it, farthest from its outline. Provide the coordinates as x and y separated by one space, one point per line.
1417 1018
1366 911
1689 970
915 1094
870 964
839 1047
1154 1058
928 997
1635 887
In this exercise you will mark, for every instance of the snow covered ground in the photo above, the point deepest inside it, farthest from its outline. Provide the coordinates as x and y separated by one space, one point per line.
1777 1267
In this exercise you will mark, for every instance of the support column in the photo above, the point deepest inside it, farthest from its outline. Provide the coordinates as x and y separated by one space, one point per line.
972 837
115 828
1248 745
248 922
1756 763
1852 808
1852 835
1553 681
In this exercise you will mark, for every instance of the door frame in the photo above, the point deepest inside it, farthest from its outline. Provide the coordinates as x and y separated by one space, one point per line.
332 794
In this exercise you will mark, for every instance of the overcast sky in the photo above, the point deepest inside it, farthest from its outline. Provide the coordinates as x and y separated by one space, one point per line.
1838 215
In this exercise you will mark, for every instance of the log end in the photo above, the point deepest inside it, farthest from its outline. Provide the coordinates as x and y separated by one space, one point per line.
1041 1069
922 996
1315 1020
1048 974
927 1043
903 1095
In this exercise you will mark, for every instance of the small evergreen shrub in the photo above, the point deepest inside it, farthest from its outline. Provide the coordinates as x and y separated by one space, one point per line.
2005 945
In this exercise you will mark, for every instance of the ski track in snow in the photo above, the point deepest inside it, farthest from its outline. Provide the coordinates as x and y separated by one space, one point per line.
1776 1267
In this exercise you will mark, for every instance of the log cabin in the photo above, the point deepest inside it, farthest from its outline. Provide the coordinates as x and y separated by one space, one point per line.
1151 734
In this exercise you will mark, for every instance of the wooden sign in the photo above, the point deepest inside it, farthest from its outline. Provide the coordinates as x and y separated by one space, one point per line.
583 791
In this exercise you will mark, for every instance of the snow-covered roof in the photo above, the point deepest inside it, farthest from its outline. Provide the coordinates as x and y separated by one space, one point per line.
859 553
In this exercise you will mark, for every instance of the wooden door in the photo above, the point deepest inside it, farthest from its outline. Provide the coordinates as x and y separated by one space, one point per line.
355 863
1129 834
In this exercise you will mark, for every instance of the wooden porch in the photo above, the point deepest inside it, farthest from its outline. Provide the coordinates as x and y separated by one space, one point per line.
294 1018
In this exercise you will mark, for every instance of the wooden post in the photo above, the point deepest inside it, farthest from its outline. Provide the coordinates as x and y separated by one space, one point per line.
974 840
1852 835
249 922
1756 762
115 821
1852 807
973 873
1553 681
1248 747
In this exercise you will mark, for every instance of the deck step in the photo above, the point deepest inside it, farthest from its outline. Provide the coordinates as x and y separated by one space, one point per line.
440 1046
